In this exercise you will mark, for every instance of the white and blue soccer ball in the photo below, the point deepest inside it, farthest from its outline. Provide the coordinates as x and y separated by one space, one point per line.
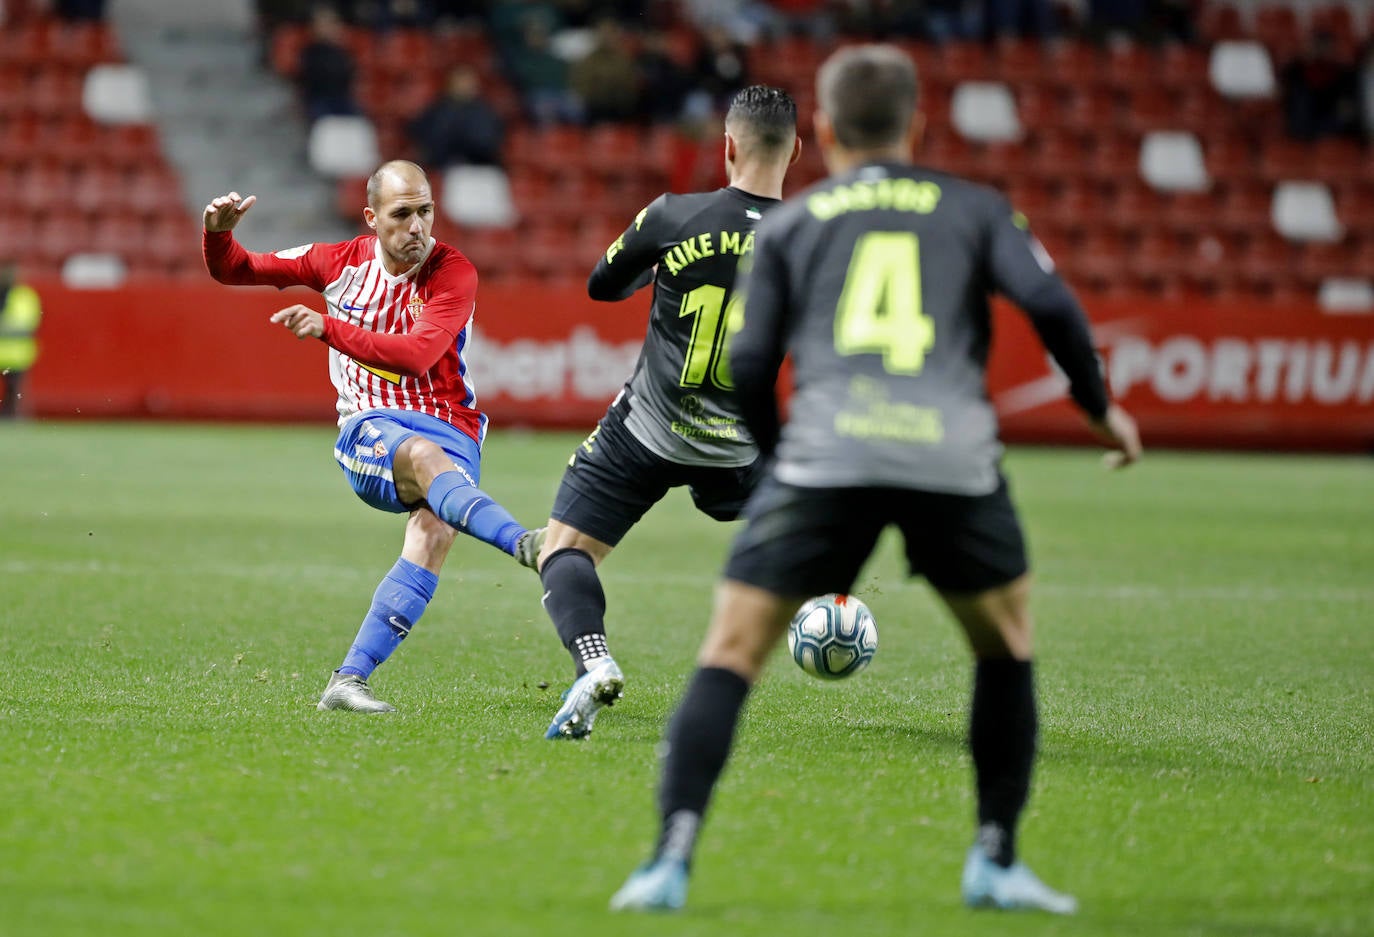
833 636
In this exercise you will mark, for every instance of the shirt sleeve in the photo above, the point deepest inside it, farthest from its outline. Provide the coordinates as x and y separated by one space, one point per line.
628 264
758 343
229 262
1023 271
447 311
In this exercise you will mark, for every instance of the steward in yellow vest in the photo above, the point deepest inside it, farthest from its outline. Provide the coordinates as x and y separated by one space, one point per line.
20 313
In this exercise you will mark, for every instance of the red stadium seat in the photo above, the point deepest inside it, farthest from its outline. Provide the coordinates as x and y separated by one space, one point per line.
1187 213
1355 207
1078 206
1281 158
1115 157
962 61
1182 66
1072 64
1019 62
1336 161
1151 107
1336 19
1200 109
1276 25
1058 154
1135 208
1129 66
1266 260
98 188
1317 261
1089 109
1219 20
1229 157
285 50
1245 207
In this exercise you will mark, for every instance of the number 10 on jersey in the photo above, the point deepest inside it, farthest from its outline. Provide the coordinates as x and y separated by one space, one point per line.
711 329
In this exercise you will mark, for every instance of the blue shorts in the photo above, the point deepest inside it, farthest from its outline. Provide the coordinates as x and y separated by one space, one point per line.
366 450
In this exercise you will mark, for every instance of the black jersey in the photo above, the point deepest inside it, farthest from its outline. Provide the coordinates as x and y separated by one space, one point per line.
689 246
877 284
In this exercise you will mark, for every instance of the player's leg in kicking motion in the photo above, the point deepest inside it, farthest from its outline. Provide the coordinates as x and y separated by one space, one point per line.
398 603
394 469
575 601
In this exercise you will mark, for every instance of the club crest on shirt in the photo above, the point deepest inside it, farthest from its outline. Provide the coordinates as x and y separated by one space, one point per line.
379 449
417 306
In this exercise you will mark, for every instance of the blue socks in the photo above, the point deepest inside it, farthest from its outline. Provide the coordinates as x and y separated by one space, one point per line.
470 509
397 605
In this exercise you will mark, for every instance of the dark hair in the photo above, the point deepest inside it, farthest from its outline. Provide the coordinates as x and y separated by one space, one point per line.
770 113
869 93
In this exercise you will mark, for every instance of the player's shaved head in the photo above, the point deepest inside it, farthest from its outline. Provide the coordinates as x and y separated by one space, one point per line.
763 118
394 174
869 93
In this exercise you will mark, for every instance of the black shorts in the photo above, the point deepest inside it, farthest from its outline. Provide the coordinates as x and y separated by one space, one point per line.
613 478
809 541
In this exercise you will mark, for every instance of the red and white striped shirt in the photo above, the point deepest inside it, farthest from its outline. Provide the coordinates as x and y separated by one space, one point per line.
395 342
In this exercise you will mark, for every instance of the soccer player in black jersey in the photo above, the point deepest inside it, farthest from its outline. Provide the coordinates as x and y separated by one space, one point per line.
876 282
674 423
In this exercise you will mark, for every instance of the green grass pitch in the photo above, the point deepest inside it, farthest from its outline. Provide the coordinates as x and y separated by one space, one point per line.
175 596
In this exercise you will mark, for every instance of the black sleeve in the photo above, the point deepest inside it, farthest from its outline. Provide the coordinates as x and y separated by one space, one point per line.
758 343
628 264
1023 271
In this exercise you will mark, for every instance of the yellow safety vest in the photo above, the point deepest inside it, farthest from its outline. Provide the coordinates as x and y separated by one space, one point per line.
18 321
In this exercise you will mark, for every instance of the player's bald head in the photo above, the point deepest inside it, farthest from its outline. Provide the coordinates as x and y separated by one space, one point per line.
869 93
763 119
396 175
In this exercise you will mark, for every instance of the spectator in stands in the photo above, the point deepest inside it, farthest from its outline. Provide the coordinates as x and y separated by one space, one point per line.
541 77
459 126
721 66
326 67
1321 93
605 79
663 82
1011 18
80 9
20 312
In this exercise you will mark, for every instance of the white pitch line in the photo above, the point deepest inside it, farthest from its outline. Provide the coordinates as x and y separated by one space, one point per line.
1133 592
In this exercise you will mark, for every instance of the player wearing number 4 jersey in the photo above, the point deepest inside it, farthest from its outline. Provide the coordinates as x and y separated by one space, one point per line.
399 314
876 282
674 423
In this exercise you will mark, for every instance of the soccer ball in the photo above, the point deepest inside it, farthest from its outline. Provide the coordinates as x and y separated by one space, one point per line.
833 636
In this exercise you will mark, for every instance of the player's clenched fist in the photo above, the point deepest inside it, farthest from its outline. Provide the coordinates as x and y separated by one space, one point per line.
224 212
301 321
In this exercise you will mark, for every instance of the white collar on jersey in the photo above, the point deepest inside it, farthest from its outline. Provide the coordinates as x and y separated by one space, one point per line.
381 262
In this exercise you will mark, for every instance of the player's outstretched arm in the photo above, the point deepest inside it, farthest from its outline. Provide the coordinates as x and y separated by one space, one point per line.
224 212
1117 431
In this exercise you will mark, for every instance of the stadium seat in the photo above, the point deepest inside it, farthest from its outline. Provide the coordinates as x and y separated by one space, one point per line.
962 61
1078 206
1134 207
1154 259
1355 207
1018 62
1266 260
478 197
1241 68
284 48
1188 213
1182 66
1171 161
1245 207
1229 157
1335 19
1220 21
94 271
1151 107
1335 160
985 111
1129 66
1346 295
1277 27
1071 64
1089 109
117 94
343 146
1115 157
1305 211
1281 158
1056 154
1321 260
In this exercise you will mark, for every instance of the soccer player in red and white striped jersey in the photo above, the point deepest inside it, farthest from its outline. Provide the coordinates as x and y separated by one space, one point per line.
399 316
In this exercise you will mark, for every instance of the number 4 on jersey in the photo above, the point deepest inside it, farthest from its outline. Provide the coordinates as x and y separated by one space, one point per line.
880 308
